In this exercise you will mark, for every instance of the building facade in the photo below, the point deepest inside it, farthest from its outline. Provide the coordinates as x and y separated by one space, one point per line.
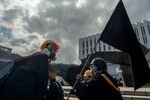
142 30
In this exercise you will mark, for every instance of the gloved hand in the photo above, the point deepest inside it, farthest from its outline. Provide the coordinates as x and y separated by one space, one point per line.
78 76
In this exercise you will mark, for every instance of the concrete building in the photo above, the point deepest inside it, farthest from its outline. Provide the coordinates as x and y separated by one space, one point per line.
5 53
142 30
86 44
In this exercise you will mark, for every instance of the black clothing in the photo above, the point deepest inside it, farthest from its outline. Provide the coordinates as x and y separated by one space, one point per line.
55 91
97 89
28 81
81 89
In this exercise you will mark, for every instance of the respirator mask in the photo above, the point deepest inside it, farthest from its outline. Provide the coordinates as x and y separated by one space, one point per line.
50 52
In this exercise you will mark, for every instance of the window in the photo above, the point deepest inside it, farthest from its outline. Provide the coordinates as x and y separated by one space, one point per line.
83 51
104 47
146 40
90 43
91 46
87 44
109 47
136 31
83 45
91 50
87 51
99 46
94 41
144 35
143 31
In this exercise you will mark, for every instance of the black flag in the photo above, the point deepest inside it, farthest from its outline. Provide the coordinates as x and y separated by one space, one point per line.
119 34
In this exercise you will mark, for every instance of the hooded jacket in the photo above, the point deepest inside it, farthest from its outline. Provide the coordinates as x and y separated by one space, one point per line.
97 88
29 79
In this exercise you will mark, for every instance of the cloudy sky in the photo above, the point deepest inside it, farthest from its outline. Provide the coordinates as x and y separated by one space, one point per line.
24 24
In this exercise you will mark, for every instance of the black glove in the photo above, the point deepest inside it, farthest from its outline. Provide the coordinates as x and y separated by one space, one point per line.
78 76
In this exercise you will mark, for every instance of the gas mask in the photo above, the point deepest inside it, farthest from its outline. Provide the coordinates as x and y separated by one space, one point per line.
50 52
52 56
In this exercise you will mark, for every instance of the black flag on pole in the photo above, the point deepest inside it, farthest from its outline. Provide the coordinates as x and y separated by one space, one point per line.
120 34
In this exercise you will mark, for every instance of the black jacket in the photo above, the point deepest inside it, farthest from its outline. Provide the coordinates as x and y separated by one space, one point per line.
97 89
55 91
29 79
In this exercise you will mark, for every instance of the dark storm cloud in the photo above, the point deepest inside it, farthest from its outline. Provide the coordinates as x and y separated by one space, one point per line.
138 10
32 37
67 55
18 42
36 24
11 14
7 32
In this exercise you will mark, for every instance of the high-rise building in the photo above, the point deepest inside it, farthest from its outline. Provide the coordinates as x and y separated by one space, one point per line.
142 30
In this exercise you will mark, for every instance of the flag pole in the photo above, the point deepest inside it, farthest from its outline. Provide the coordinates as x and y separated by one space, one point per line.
84 65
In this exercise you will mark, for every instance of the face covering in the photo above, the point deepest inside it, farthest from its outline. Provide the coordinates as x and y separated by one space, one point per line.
51 54
94 69
46 51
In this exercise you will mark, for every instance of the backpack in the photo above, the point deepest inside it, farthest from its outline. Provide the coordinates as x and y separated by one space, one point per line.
55 91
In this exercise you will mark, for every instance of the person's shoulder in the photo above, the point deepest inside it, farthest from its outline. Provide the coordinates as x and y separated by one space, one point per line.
55 83
98 78
33 56
109 76
40 56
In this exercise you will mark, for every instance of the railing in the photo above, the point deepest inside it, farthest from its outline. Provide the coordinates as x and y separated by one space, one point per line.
128 93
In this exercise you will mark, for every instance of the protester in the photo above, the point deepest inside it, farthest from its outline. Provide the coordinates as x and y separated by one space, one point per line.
80 89
100 87
88 74
28 77
54 90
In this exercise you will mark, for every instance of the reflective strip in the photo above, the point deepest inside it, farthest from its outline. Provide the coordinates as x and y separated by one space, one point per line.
110 82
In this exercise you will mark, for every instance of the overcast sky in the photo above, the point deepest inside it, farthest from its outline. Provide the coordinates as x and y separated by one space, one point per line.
24 24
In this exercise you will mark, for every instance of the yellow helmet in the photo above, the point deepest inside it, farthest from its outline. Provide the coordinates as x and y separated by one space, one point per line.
53 43
52 74
88 73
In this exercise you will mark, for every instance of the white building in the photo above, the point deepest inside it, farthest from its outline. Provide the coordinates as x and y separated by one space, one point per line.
86 44
142 30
